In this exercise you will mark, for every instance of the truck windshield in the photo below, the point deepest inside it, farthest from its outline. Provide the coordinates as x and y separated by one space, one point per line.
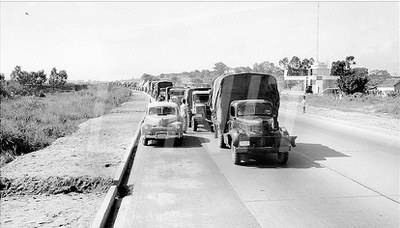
200 98
162 111
177 92
254 109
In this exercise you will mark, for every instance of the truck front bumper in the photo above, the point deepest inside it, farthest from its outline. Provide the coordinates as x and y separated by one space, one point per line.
262 150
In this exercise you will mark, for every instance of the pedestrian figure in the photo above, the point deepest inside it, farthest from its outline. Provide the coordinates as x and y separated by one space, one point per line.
304 103
183 111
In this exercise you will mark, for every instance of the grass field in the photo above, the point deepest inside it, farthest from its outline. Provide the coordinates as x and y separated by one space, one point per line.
366 103
32 123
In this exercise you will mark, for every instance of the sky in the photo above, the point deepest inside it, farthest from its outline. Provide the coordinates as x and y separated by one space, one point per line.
120 40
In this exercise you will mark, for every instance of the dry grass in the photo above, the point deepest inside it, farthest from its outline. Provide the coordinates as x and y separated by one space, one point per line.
369 104
31 123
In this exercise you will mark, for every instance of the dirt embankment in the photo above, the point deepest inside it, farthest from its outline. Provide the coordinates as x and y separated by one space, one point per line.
64 184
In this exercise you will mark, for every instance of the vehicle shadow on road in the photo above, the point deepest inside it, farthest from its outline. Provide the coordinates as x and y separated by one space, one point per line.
304 155
188 142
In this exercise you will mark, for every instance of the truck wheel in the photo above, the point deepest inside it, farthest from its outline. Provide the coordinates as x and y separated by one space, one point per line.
194 125
283 158
235 156
221 141
178 141
211 127
190 122
145 142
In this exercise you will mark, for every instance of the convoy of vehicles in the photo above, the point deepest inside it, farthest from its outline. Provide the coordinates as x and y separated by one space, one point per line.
162 122
257 133
241 109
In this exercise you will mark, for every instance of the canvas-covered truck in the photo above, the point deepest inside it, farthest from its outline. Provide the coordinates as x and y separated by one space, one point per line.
244 113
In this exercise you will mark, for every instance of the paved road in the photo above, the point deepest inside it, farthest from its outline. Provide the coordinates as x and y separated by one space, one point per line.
339 175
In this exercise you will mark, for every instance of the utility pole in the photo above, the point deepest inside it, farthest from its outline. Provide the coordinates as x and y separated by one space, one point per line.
318 33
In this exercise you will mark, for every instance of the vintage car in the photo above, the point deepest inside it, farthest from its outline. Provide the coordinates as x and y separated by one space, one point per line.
162 122
200 109
254 133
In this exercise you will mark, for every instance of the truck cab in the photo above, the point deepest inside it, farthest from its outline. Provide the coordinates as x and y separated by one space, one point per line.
253 131
200 109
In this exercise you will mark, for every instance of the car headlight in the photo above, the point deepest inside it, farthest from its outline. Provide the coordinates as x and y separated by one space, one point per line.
146 127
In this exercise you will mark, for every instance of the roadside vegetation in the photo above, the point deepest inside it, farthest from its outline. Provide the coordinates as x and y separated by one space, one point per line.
30 123
369 104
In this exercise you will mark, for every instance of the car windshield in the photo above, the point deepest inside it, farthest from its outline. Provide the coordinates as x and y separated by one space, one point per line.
162 110
254 109
200 98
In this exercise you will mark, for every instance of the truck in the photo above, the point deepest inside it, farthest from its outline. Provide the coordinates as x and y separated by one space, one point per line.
176 94
160 89
200 110
189 98
244 114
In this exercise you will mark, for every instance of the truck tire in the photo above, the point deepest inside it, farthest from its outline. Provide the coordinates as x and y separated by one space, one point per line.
194 125
178 141
283 158
221 141
211 127
235 156
215 131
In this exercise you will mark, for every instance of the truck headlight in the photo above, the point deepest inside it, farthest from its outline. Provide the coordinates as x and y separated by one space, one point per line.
244 143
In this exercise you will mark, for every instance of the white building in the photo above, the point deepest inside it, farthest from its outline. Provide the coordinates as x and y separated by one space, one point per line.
318 78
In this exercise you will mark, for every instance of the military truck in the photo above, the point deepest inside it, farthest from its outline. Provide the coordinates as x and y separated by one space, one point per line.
244 113
200 109
189 97
176 93
160 88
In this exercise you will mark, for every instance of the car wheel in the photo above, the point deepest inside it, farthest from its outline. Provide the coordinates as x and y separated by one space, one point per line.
194 125
283 158
235 156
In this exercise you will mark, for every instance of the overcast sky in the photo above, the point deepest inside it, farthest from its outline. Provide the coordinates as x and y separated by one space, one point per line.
120 40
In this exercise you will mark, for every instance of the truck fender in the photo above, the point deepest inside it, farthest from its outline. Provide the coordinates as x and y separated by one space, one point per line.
234 137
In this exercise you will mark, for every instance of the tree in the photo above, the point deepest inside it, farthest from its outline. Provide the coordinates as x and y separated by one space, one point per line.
284 63
296 66
341 68
242 69
220 68
22 77
268 68
355 82
57 79
350 80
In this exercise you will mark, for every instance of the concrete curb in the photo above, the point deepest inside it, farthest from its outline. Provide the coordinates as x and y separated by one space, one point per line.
102 214
124 163
105 208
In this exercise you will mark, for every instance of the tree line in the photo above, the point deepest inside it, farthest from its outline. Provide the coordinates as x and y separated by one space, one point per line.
23 82
351 79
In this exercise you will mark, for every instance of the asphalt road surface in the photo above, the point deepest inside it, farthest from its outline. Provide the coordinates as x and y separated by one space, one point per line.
339 175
